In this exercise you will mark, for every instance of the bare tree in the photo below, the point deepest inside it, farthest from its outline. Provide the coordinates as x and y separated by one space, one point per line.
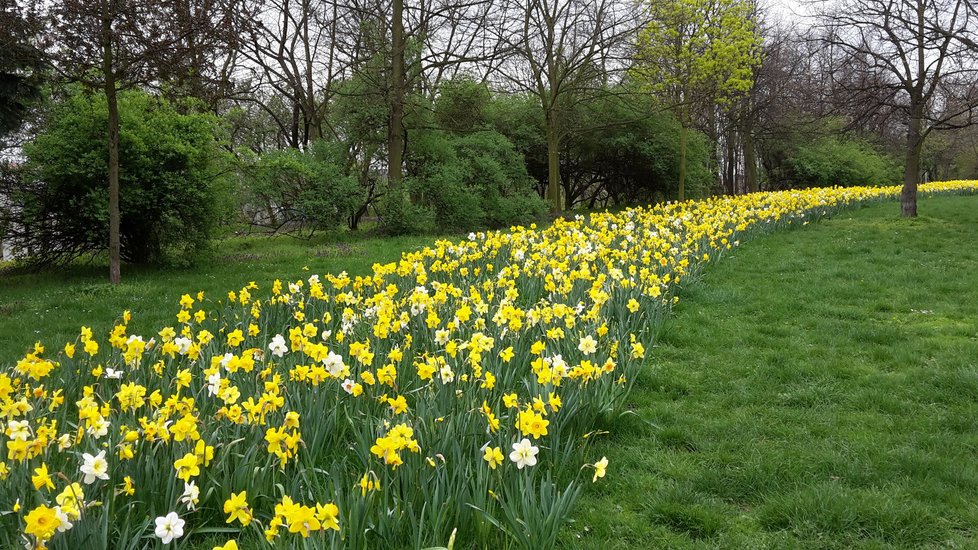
289 50
560 49
209 60
921 56
303 51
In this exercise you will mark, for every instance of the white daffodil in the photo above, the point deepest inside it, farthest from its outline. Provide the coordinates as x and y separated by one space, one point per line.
63 519
191 495
183 345
277 346
587 345
169 527
99 427
524 454
94 467
19 430
214 383
334 364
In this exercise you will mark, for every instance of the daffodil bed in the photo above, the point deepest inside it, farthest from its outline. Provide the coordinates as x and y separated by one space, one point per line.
450 396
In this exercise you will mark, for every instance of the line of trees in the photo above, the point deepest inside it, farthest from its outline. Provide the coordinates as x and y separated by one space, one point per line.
296 115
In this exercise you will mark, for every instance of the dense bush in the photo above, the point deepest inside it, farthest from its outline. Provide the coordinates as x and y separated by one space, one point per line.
399 215
618 148
22 67
473 159
520 119
840 161
462 173
623 150
173 189
289 188
471 181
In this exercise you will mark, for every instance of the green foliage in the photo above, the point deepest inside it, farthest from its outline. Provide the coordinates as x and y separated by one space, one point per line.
802 153
467 175
842 161
359 112
471 181
21 66
697 54
359 115
951 155
619 152
173 188
291 189
620 149
698 51
401 216
463 105
520 119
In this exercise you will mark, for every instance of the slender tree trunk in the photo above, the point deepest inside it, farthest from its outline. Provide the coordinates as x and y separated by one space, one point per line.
683 137
313 122
115 216
115 244
272 216
731 162
294 138
553 163
911 170
395 142
750 162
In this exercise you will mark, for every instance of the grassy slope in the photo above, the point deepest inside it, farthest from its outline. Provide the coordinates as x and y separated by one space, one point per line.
52 306
818 388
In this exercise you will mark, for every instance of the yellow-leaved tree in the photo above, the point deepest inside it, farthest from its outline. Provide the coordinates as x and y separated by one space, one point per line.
696 54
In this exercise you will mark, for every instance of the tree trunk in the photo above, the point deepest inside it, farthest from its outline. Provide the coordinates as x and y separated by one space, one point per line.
553 163
731 171
395 141
682 161
294 138
115 244
911 170
115 216
313 122
750 162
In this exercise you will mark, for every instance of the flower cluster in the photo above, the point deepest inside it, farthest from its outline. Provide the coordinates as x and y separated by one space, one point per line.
443 392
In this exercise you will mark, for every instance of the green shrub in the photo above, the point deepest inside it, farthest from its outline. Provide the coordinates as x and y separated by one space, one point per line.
472 181
839 161
173 191
401 216
622 149
289 188
619 148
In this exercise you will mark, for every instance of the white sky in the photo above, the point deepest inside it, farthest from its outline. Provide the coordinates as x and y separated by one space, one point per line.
788 11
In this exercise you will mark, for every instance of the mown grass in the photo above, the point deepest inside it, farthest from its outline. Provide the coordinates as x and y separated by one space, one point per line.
818 388
51 306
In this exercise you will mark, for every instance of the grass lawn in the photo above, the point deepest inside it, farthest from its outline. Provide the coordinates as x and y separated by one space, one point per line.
52 306
818 388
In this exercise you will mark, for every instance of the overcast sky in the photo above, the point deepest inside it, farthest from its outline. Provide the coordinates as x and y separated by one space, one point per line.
786 10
